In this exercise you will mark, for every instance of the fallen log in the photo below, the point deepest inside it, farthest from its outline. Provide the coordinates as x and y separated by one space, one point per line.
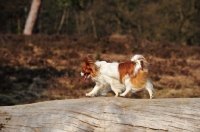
103 114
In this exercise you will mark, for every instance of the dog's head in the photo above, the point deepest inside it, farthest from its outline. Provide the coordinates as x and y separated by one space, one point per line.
89 68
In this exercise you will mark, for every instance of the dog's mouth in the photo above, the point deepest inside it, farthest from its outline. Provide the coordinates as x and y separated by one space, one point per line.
86 75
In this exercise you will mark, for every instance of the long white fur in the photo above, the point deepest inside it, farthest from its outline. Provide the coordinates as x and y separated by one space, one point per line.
108 79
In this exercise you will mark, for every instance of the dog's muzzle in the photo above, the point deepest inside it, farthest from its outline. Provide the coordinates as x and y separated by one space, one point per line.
82 74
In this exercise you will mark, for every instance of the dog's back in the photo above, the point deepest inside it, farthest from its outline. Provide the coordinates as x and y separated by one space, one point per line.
108 69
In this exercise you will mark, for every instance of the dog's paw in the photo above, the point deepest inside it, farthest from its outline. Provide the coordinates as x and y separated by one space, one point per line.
151 96
123 95
89 94
116 95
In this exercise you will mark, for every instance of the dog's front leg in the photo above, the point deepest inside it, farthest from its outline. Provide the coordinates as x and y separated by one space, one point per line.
95 90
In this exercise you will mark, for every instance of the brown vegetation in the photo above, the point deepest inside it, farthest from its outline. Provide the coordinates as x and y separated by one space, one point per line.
39 68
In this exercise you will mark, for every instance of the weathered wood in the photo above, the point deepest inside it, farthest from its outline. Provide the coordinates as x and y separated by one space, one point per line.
103 114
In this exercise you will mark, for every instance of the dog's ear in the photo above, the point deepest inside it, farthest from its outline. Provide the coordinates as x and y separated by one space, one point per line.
90 56
88 60
90 64
85 60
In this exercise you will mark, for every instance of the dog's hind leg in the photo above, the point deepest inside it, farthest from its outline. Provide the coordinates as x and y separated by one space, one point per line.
128 89
114 90
116 93
117 87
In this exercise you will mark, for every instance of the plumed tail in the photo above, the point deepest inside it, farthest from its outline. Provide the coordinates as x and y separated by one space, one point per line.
149 88
137 57
141 63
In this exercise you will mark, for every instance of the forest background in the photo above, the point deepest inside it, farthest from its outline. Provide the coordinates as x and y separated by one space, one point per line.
46 64
155 20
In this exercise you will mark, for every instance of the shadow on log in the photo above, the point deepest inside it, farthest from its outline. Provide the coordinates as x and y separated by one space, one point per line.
103 114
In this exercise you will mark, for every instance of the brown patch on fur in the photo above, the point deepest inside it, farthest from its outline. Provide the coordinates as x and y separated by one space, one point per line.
126 68
90 67
139 81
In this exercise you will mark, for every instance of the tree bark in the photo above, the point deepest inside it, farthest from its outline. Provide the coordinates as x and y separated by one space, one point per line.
103 114
77 22
93 25
32 17
62 21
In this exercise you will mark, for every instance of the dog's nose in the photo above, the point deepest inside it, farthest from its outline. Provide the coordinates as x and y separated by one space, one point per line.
82 74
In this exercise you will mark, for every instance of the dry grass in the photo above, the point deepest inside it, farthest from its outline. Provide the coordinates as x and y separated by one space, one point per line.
39 68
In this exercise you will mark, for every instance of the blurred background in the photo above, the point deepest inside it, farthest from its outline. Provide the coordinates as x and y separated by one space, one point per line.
43 42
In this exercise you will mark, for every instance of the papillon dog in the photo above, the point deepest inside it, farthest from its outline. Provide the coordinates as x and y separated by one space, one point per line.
121 78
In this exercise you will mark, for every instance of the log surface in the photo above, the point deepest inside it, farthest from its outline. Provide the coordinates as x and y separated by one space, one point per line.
103 114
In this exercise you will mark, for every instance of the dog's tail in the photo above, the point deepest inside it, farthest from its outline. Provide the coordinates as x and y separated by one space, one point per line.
141 63
149 88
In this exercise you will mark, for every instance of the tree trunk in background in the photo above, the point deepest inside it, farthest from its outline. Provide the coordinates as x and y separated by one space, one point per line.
77 22
103 114
32 17
62 21
93 25
18 25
